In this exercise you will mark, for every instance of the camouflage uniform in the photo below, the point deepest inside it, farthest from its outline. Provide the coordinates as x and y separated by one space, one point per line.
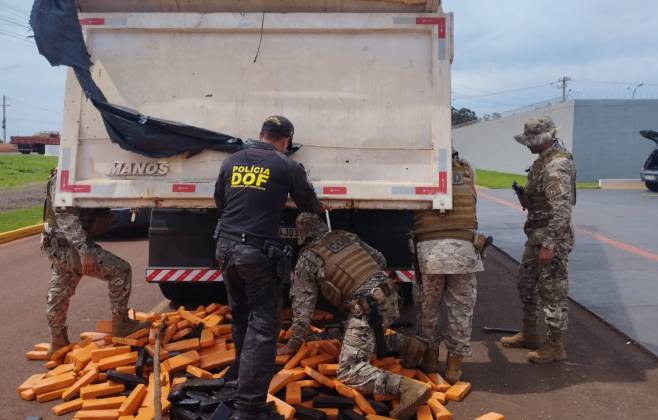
359 342
545 288
448 262
66 237
448 268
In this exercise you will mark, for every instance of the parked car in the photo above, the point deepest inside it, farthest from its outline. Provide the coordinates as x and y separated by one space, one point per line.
649 172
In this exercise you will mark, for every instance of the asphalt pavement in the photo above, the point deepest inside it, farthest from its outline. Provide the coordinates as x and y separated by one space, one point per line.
613 269
604 378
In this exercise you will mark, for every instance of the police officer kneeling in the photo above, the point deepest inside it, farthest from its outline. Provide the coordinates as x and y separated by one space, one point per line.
250 194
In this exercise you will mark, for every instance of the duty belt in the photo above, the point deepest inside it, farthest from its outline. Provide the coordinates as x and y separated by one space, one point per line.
247 239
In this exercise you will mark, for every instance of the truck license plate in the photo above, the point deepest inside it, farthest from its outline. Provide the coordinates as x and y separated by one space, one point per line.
650 177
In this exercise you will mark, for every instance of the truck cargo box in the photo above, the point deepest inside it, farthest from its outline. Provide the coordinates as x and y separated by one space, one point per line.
368 91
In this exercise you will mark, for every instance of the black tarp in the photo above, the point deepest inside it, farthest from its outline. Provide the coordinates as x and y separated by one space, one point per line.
58 35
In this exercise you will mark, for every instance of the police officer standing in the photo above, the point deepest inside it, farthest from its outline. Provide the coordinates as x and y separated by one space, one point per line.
549 196
250 194
67 241
449 253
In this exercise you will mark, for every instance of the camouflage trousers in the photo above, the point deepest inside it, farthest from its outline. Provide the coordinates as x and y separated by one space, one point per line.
457 292
354 367
359 344
66 273
545 289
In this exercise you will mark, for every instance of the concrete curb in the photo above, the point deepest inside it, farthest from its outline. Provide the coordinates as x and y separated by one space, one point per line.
24 232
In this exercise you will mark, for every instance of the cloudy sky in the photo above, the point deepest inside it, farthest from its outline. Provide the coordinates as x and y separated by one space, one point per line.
508 54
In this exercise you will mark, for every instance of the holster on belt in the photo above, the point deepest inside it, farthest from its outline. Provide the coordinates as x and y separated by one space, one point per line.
282 256
481 243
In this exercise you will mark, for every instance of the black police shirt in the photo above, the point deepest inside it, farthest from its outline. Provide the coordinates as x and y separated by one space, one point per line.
252 188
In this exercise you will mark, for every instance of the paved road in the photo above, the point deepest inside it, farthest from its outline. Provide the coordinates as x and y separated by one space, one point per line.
604 378
24 276
613 268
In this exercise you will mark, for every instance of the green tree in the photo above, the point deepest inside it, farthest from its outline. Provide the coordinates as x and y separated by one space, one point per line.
462 116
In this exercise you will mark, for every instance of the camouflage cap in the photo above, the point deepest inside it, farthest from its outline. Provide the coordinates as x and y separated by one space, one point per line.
537 131
309 225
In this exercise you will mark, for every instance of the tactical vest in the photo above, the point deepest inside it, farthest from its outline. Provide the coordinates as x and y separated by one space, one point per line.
537 200
347 265
48 210
94 221
461 221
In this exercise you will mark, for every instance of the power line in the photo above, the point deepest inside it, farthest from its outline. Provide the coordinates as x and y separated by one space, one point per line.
504 91
13 22
38 107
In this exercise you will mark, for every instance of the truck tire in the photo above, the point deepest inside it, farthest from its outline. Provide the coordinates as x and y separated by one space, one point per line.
651 185
201 294
25 152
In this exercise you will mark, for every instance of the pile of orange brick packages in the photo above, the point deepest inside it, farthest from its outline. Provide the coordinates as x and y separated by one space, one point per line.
104 377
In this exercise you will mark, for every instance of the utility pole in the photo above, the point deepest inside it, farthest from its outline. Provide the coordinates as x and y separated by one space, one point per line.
4 118
564 85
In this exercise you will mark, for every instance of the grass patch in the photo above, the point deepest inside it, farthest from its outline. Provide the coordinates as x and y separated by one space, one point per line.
497 180
18 170
503 180
14 219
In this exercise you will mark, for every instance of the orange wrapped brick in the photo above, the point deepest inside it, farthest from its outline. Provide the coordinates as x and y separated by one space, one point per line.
164 354
97 415
183 345
181 333
83 356
207 338
344 390
219 359
440 384
424 413
103 403
363 404
491 416
309 383
328 369
439 396
27 395
293 393
99 354
30 382
458 391
198 372
283 378
303 351
134 400
314 361
67 407
144 332
134 342
191 318
103 389
37 355
283 408
118 360
84 380
212 320
67 367
50 396
282 359
56 382
319 377
129 370
169 334
439 410
145 413
330 348
181 361
41 347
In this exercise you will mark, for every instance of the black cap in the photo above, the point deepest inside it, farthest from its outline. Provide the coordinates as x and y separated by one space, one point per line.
278 126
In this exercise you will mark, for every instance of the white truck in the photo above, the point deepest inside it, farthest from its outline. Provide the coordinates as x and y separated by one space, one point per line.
366 83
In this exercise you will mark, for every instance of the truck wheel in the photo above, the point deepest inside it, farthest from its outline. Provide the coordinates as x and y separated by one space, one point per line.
204 293
25 152
652 186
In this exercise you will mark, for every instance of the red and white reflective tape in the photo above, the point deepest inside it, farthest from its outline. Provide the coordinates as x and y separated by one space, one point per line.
178 275
405 276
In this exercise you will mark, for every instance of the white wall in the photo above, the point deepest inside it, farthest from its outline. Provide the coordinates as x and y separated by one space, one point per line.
52 150
491 145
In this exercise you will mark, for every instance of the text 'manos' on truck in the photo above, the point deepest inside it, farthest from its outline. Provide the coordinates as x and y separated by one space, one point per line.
366 83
